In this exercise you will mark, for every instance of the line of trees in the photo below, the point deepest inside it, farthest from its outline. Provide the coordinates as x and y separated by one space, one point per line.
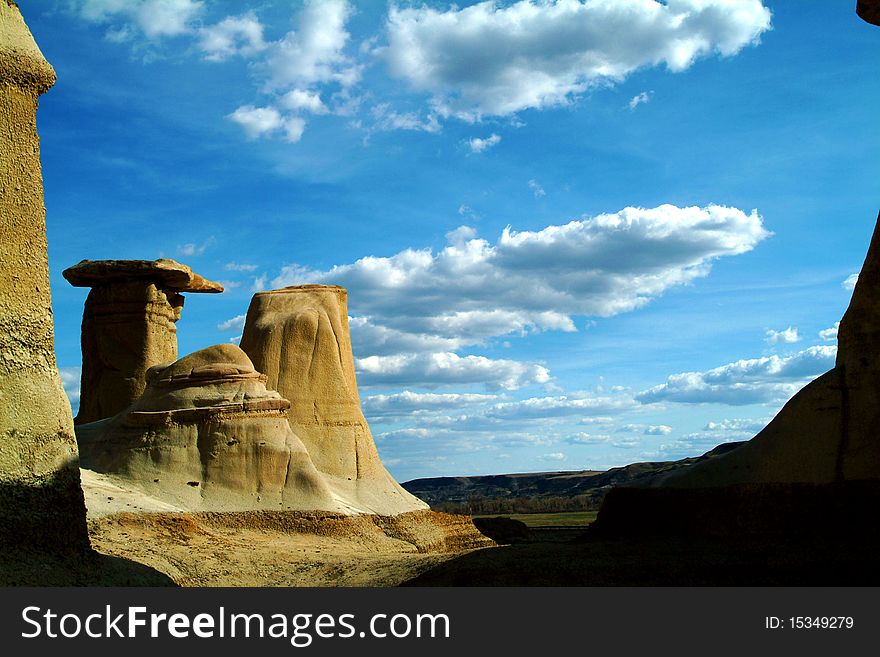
481 505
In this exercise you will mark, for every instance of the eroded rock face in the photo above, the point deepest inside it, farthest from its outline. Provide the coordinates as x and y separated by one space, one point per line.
207 435
869 10
41 504
128 327
299 336
828 432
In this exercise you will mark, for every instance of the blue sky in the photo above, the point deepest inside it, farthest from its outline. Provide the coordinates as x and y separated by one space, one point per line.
575 234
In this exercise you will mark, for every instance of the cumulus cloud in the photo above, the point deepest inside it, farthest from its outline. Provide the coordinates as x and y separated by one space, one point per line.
295 70
478 145
314 53
658 430
490 59
303 101
830 334
560 406
583 438
266 121
406 403
70 379
192 249
238 266
536 188
738 426
533 280
850 282
786 336
234 35
553 456
153 18
752 381
640 99
236 323
386 119
646 429
430 370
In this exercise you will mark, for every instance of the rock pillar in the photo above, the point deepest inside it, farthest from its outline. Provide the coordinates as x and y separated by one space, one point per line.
41 503
128 327
299 337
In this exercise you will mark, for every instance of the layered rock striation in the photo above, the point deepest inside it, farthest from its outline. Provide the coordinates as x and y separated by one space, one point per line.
207 435
128 326
299 336
41 504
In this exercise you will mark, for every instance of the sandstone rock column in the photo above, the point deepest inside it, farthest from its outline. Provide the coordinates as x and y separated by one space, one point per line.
299 337
41 503
128 327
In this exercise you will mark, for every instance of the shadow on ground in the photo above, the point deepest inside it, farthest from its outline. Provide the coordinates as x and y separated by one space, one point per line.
35 568
664 561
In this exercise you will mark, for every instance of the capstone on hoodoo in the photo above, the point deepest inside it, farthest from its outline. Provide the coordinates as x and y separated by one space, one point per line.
128 326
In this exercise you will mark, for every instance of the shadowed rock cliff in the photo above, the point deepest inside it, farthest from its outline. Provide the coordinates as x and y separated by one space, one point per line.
41 504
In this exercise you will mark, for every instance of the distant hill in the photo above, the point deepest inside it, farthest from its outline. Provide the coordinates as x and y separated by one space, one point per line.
540 491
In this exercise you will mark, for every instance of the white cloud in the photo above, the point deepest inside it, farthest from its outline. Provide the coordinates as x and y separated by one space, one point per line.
532 280
314 52
646 429
757 380
850 282
830 334
446 368
260 284
236 266
70 379
386 119
786 336
191 249
640 99
154 18
658 430
537 190
406 403
583 438
263 121
490 59
234 35
553 456
738 426
546 407
374 339
295 70
236 322
303 101
478 145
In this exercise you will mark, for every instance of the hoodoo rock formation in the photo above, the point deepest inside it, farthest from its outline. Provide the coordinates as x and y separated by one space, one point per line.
128 327
822 448
299 336
41 504
207 435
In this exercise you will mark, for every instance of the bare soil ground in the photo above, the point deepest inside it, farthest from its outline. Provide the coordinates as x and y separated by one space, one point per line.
285 549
